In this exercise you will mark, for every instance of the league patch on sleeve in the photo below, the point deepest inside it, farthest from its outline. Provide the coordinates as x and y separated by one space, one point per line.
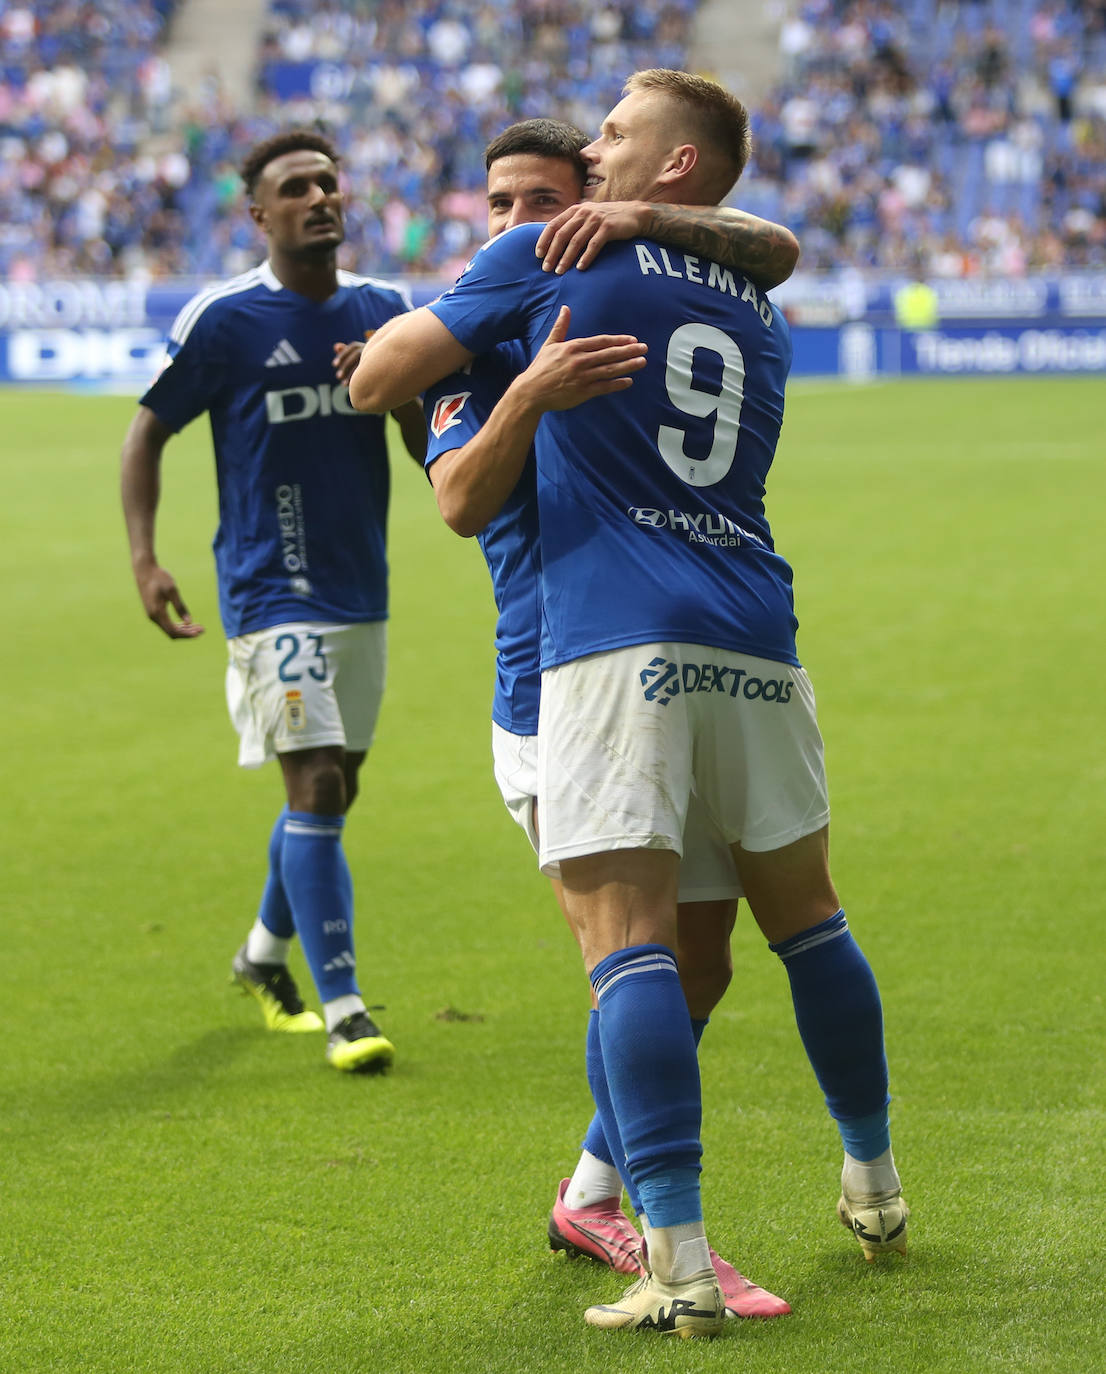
164 363
447 411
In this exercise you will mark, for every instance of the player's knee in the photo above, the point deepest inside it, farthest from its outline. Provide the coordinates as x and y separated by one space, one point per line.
351 769
320 788
704 987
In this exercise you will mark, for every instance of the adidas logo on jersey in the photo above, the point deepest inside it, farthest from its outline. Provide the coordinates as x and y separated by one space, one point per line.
283 355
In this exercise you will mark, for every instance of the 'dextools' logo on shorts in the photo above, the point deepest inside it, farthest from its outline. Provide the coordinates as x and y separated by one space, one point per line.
662 680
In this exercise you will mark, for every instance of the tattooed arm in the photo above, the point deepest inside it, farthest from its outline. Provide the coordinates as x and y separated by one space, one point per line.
765 252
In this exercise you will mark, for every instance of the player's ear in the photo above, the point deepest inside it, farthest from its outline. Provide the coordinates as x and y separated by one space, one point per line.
257 214
681 162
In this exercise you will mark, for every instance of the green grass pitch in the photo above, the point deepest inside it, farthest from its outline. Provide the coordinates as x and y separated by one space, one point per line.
181 1191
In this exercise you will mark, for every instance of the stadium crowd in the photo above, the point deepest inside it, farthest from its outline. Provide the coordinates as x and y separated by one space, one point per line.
950 137
947 138
83 87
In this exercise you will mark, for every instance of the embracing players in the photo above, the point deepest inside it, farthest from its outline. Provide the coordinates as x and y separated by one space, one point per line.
482 422
669 666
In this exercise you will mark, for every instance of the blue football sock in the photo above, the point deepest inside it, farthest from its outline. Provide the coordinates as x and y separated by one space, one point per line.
603 1126
604 1112
595 1140
274 913
840 1020
652 1078
319 888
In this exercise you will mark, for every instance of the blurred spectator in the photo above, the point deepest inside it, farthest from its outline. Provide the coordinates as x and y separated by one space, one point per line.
963 134
916 304
81 87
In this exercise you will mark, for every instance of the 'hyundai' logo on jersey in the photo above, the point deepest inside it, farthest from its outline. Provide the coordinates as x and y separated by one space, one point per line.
305 402
698 527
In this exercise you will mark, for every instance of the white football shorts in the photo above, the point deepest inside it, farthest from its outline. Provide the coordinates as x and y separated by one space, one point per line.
626 737
707 872
304 685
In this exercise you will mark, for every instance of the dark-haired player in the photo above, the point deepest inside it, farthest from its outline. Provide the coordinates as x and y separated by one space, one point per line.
481 465
670 667
303 485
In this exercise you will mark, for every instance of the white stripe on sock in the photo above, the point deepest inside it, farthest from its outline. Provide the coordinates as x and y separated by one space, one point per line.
644 963
307 828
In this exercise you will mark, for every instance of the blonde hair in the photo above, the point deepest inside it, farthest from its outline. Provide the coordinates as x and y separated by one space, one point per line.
719 122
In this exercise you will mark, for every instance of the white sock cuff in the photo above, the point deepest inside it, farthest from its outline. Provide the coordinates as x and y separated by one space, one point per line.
263 947
692 1257
341 1007
678 1252
592 1181
869 1178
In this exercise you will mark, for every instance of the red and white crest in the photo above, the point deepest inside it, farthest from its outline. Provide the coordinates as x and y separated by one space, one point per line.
446 412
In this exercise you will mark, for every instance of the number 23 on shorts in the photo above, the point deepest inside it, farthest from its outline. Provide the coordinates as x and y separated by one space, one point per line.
300 655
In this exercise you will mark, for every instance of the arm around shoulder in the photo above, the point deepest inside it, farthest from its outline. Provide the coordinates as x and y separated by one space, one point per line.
472 482
767 253
403 358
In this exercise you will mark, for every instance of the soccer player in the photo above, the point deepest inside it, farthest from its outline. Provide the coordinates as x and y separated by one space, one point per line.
669 663
303 485
483 421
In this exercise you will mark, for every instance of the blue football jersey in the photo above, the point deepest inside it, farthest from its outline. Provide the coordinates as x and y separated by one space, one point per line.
456 409
303 478
651 500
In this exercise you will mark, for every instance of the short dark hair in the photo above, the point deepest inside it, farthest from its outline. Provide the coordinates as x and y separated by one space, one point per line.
291 141
539 138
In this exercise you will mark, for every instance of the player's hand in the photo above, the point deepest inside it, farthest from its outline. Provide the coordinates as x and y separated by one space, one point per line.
566 372
577 234
346 358
161 598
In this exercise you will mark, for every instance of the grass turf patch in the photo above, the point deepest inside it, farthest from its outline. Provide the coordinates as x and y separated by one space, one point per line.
184 1191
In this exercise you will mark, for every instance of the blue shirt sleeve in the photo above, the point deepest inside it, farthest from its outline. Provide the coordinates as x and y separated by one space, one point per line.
502 294
191 379
456 409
